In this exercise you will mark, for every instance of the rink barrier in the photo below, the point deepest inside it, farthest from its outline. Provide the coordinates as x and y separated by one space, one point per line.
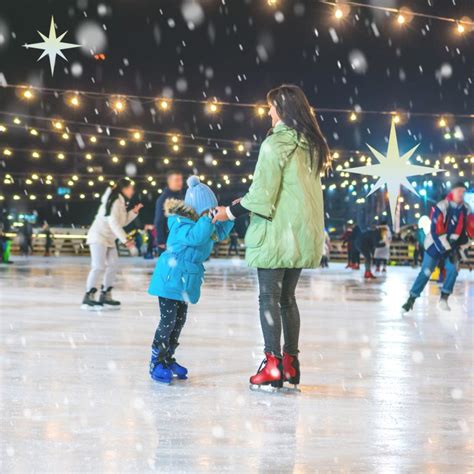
73 243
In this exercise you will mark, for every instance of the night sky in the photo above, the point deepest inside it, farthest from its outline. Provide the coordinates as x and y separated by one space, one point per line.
235 51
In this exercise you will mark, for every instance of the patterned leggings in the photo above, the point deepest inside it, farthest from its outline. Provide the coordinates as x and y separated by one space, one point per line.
172 319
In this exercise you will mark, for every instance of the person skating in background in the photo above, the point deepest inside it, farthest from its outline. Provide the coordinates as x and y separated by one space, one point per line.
419 245
347 243
26 238
150 242
5 245
452 226
366 243
355 254
48 239
233 243
179 272
107 227
173 190
326 250
382 249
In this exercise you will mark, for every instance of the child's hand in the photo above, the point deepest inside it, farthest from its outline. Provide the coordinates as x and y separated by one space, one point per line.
220 215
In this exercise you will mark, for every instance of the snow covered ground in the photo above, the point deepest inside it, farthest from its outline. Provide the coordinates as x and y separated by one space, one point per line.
380 392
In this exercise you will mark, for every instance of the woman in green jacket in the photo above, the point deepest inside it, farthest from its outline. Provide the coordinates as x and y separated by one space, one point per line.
286 231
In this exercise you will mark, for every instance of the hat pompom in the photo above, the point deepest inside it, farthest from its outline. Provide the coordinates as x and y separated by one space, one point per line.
193 181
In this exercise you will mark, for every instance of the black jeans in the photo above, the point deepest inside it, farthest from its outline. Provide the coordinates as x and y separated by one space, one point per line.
278 308
172 318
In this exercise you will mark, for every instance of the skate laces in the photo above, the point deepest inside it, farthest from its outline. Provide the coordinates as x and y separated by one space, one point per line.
262 364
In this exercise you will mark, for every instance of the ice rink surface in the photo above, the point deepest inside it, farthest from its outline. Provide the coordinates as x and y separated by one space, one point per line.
380 392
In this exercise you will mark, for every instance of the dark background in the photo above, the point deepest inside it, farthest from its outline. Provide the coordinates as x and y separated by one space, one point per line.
237 52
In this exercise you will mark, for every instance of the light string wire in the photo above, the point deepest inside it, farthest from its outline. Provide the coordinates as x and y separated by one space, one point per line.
397 11
338 151
231 104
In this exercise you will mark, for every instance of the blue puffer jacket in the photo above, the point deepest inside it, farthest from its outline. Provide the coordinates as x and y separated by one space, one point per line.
179 272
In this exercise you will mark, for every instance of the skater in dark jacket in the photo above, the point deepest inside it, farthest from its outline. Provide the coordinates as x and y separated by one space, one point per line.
174 190
179 272
366 243
355 254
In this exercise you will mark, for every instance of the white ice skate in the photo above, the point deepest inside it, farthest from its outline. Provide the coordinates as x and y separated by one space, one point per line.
443 305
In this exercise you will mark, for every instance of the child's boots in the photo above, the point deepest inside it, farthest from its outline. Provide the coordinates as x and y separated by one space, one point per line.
159 369
177 369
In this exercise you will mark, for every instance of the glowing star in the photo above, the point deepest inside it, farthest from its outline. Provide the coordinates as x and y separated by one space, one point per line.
52 46
393 170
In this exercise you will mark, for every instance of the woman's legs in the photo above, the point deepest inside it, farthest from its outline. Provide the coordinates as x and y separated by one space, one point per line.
290 315
278 306
98 262
111 267
270 282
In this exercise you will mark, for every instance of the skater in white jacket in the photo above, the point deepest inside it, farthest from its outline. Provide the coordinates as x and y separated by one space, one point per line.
107 227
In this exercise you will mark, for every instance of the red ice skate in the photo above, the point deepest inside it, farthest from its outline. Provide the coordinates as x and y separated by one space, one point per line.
355 266
269 373
368 275
291 369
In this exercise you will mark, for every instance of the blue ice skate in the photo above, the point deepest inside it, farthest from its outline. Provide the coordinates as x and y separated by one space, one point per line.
178 370
159 369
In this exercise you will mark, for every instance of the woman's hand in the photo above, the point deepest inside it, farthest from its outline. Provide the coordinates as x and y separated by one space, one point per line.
136 209
220 215
236 201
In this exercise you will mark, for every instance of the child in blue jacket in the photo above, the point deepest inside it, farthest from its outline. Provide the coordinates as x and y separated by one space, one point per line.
179 271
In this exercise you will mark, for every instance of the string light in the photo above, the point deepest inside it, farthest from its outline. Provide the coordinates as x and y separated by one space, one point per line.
88 156
200 149
74 101
28 94
122 142
65 136
35 154
240 148
3 129
58 125
164 104
17 121
401 19
118 105
137 135
442 122
175 139
7 152
353 117
261 111
61 156
212 108
34 132
93 139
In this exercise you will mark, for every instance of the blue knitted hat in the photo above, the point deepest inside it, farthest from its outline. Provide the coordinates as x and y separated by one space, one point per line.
199 196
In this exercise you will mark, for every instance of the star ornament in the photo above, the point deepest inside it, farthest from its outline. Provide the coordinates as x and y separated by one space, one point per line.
52 46
393 170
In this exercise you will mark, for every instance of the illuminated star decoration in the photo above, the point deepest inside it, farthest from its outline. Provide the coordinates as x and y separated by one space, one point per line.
393 170
52 46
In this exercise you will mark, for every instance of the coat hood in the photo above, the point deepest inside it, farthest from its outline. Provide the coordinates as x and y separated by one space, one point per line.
290 135
179 208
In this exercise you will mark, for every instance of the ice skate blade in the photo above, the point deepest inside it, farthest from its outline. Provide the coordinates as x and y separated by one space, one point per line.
264 388
87 307
293 388
163 381
108 307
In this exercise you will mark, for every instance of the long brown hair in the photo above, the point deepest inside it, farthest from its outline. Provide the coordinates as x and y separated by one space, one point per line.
295 112
116 192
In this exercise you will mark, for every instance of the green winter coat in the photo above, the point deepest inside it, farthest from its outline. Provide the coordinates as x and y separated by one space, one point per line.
287 222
